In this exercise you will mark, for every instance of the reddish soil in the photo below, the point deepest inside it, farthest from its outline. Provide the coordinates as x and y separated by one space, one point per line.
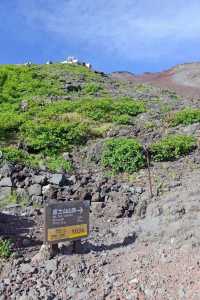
178 79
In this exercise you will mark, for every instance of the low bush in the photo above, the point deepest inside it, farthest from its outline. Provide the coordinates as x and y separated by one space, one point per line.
92 88
5 248
9 122
54 163
172 147
19 81
57 164
14 155
51 136
186 116
122 119
10 118
123 155
107 109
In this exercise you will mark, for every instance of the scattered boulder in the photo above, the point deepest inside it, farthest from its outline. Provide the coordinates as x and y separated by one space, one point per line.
27 269
6 182
49 191
58 179
24 105
6 170
51 265
37 200
66 156
120 205
39 179
43 255
35 189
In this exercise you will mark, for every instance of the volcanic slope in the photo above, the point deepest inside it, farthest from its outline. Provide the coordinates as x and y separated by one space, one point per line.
69 133
184 79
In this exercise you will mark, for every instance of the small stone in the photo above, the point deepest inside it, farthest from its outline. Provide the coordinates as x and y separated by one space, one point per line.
148 293
27 181
37 199
97 208
139 190
72 179
66 156
57 179
6 170
181 293
27 268
96 197
46 188
7 281
35 189
6 182
40 179
174 184
134 281
43 255
51 265
50 191
24 105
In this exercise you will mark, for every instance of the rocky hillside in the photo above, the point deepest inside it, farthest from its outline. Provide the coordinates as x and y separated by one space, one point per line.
184 79
70 133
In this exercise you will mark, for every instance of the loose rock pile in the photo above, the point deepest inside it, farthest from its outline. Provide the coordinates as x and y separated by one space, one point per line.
37 187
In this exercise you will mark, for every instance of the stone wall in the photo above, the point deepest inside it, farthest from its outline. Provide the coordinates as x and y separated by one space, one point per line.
106 195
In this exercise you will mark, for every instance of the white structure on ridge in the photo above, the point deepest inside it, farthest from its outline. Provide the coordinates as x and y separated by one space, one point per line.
74 61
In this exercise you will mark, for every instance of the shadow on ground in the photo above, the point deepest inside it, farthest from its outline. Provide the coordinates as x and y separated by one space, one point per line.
18 229
87 247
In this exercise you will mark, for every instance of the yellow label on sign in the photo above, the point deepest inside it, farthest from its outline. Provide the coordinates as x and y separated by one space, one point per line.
69 232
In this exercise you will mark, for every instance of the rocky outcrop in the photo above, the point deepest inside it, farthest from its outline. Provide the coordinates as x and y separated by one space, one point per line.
113 199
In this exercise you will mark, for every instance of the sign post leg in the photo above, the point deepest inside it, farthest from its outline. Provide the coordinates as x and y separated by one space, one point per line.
149 174
54 249
76 246
147 154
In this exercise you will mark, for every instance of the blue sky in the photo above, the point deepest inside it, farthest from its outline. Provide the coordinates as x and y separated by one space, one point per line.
132 35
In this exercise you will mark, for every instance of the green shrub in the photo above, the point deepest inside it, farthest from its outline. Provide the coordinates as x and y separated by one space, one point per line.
19 81
3 78
56 163
123 155
51 136
48 127
172 147
106 109
92 88
122 119
186 116
10 118
13 154
5 248
9 121
128 106
95 109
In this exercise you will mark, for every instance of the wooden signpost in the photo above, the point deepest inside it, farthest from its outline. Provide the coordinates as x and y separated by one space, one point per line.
66 221
148 157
